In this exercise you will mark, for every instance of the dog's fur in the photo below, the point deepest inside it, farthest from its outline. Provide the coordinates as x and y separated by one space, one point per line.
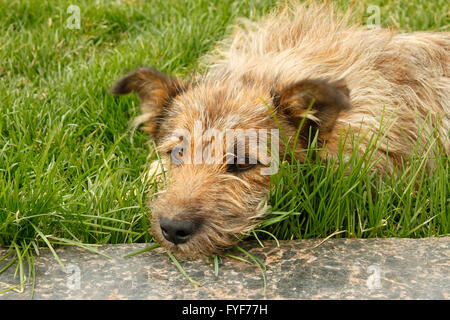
301 55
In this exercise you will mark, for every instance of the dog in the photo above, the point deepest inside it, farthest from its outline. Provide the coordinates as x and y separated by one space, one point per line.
304 70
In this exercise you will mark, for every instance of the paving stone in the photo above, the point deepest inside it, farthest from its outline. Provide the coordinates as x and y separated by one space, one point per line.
303 269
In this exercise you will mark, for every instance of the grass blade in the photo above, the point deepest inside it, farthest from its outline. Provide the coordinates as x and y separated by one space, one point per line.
180 268
43 237
134 253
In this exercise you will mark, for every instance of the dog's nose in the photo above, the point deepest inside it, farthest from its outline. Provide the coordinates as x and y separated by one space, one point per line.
177 231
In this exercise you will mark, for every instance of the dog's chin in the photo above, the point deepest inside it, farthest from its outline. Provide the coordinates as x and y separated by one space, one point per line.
197 247
188 250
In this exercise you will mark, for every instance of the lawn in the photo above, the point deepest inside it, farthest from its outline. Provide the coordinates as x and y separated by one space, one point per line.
72 171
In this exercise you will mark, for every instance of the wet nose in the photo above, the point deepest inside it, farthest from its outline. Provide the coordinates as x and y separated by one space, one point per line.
177 231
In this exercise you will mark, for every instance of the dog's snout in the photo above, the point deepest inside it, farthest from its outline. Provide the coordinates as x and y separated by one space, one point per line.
177 231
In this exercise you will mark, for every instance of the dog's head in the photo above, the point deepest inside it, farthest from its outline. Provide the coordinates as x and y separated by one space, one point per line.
220 143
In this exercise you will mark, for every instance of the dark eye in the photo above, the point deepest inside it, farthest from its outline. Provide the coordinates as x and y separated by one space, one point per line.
176 154
239 167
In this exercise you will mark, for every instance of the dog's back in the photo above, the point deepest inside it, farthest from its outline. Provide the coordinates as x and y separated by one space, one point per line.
395 80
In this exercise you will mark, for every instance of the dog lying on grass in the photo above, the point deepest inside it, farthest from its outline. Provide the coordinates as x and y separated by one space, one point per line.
303 70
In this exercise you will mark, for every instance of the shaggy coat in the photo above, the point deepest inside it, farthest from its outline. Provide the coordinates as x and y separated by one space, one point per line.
300 64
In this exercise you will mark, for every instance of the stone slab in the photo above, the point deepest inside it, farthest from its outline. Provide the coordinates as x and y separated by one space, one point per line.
302 269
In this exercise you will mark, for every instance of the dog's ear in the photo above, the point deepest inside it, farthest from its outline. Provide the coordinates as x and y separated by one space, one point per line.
155 91
319 101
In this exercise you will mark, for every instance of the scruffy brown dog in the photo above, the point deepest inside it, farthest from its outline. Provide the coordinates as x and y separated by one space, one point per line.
301 63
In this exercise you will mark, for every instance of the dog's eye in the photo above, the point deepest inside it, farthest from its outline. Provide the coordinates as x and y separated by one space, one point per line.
239 167
244 166
176 154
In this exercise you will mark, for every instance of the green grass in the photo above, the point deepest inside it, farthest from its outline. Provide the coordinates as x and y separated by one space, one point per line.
71 171
320 196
